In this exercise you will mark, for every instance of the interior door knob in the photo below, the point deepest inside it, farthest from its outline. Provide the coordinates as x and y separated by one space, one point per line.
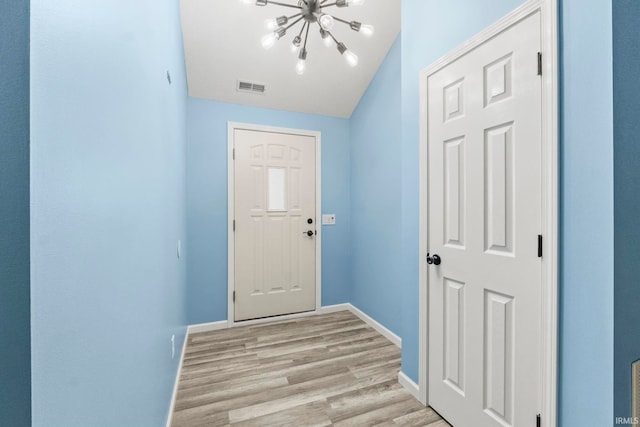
308 233
435 259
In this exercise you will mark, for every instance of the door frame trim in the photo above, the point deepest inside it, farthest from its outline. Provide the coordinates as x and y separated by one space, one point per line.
549 316
231 127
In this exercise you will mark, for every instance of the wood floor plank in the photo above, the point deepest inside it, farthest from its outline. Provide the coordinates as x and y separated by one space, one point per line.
309 374
341 384
380 414
422 418
368 361
361 400
314 415
217 394
249 406
313 371
219 376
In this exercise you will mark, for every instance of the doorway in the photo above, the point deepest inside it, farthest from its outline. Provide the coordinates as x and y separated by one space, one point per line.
274 236
488 226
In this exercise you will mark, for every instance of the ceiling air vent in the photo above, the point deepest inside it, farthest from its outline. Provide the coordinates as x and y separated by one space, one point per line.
256 88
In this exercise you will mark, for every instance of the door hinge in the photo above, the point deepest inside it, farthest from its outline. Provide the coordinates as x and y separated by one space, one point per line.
233 154
234 225
539 245
234 296
539 63
538 421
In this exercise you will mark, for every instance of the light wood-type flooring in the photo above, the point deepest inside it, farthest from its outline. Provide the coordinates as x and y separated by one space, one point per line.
325 370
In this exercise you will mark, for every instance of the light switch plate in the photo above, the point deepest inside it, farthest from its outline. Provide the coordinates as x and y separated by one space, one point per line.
329 219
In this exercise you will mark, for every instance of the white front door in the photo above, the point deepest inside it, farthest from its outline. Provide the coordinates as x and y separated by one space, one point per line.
275 223
484 218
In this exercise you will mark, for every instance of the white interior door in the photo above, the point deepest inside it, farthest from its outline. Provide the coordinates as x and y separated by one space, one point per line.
484 218
275 224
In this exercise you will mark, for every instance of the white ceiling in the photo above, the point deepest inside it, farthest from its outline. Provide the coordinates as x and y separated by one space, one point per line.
222 45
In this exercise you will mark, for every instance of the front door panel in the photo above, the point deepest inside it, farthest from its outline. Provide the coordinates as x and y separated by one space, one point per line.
275 210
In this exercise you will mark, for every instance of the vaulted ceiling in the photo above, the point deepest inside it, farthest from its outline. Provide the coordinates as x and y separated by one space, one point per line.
222 40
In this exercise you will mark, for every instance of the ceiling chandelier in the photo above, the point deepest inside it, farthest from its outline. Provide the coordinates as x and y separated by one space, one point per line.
311 12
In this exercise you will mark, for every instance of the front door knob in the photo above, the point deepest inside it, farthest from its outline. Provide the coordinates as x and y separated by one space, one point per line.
435 259
308 233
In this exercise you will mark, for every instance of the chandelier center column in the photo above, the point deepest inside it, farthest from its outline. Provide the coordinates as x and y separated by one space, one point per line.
310 10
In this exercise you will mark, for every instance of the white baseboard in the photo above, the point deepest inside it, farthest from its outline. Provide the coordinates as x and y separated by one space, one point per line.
410 386
377 326
382 330
177 381
334 308
206 327
224 324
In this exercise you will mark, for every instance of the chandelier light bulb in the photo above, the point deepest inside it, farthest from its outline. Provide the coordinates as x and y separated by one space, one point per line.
269 40
326 22
301 66
352 58
356 2
271 24
367 30
274 23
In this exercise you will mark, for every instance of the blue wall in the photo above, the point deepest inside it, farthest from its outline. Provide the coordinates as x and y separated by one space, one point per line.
430 29
109 188
15 357
108 207
626 104
586 215
376 143
207 201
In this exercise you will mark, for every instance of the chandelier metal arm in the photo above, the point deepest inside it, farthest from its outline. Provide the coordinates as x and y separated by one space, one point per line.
333 37
302 29
342 20
306 36
295 6
294 22
328 5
